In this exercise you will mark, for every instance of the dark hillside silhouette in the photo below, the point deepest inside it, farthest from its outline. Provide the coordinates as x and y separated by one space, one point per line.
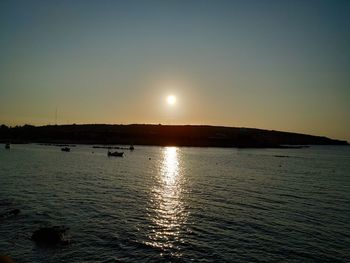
147 134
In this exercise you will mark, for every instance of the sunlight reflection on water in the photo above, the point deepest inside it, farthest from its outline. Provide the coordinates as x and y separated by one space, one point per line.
168 208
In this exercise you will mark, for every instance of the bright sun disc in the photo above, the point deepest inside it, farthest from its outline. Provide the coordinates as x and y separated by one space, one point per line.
171 100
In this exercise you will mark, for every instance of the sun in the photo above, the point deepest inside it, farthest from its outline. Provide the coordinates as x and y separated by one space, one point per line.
171 100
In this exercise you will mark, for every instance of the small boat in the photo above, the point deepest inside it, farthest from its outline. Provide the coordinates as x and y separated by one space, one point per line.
7 146
116 154
65 149
131 148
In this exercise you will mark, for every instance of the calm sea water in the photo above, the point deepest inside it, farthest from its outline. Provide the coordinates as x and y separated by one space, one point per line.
168 204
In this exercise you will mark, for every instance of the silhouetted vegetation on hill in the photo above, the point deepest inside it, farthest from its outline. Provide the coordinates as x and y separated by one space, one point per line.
147 134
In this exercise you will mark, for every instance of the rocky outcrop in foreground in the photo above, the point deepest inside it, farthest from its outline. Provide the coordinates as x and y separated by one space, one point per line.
51 236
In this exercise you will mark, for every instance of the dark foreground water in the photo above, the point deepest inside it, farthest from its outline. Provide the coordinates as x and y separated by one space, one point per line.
178 204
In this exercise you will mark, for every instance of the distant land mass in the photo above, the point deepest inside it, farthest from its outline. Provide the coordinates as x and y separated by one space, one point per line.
160 135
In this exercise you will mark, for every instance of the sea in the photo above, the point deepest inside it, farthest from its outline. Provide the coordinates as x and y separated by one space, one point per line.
177 204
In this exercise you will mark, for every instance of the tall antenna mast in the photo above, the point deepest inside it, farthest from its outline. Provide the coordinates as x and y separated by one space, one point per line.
56 116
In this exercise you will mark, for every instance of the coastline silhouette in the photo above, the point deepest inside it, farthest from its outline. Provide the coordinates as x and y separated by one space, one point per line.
161 135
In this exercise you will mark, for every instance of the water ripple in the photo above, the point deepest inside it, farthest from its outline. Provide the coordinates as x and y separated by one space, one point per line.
169 204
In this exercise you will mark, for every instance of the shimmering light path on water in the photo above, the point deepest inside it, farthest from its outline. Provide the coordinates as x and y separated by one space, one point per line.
167 208
170 204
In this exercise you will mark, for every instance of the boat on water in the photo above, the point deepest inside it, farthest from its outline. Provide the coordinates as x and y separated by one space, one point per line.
7 146
65 149
131 148
116 154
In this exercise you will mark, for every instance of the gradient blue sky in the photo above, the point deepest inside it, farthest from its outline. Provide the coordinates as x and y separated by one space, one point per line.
280 65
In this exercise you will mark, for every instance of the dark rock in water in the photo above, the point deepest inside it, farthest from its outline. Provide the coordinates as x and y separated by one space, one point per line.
15 212
51 236
10 213
6 259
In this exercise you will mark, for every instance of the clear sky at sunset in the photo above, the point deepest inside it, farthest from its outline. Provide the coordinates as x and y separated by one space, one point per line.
280 65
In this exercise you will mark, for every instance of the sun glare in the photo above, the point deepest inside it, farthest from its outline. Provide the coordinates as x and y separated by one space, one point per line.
171 99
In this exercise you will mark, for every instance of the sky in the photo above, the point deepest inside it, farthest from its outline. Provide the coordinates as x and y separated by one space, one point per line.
277 65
